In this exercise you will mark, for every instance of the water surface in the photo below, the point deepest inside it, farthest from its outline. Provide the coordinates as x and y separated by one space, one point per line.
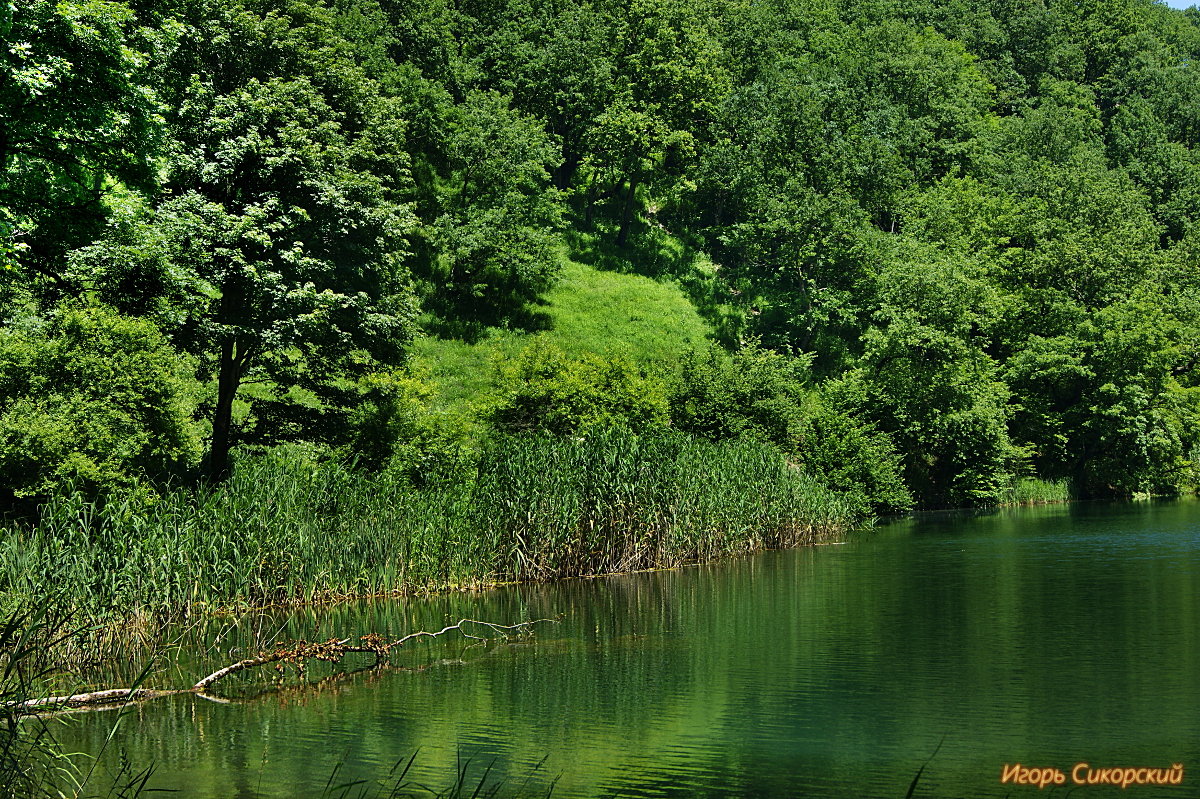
1048 636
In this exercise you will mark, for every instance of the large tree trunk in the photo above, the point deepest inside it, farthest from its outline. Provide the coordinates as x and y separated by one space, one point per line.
627 213
230 369
590 206
228 379
564 173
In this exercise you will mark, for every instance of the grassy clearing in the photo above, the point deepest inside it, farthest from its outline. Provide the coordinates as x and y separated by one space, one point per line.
287 530
648 321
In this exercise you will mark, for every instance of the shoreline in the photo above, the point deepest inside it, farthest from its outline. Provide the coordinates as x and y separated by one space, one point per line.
287 533
199 612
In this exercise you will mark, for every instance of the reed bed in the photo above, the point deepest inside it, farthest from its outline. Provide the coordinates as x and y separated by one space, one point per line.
286 529
1032 491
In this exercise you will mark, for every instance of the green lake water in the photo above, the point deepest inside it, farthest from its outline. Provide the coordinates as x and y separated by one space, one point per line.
1049 636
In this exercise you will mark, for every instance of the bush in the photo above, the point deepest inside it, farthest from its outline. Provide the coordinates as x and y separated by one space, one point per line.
938 396
852 457
754 392
393 427
545 390
92 399
760 394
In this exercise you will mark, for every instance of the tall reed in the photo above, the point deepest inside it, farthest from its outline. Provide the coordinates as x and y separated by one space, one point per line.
287 529
33 764
1032 491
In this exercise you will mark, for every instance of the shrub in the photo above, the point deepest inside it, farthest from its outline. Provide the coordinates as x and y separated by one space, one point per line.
761 394
753 392
851 457
543 389
393 427
94 399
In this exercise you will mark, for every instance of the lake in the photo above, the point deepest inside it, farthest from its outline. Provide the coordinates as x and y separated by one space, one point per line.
1048 636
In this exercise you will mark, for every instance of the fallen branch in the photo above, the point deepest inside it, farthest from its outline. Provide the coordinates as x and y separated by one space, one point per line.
107 697
297 653
331 651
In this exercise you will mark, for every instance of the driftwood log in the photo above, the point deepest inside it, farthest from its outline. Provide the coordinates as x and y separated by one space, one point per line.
297 653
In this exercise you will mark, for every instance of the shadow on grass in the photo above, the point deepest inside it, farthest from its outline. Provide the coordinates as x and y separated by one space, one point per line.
528 318
654 252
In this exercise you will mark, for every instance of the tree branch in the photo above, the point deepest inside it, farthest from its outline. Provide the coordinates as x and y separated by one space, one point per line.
298 652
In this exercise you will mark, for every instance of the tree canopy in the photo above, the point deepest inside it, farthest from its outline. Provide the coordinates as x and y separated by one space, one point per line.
960 235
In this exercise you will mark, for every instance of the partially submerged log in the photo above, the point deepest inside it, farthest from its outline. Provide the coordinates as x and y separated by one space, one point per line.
297 652
110 696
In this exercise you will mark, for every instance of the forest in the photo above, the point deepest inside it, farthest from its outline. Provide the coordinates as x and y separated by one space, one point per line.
277 314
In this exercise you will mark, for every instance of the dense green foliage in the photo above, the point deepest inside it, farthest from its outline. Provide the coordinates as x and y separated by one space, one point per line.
762 395
948 249
542 389
92 400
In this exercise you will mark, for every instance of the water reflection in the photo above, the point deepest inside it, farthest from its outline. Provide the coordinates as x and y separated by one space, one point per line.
1050 636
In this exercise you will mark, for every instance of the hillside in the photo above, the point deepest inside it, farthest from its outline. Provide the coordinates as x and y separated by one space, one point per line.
589 310
948 246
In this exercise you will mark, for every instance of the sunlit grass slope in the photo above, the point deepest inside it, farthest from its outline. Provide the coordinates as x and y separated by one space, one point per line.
610 313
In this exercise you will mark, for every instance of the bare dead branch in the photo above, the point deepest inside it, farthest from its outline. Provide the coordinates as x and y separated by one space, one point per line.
297 653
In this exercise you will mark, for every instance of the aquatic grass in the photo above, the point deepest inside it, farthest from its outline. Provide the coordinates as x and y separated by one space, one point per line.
613 502
1032 491
286 529
32 761
29 756
472 780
